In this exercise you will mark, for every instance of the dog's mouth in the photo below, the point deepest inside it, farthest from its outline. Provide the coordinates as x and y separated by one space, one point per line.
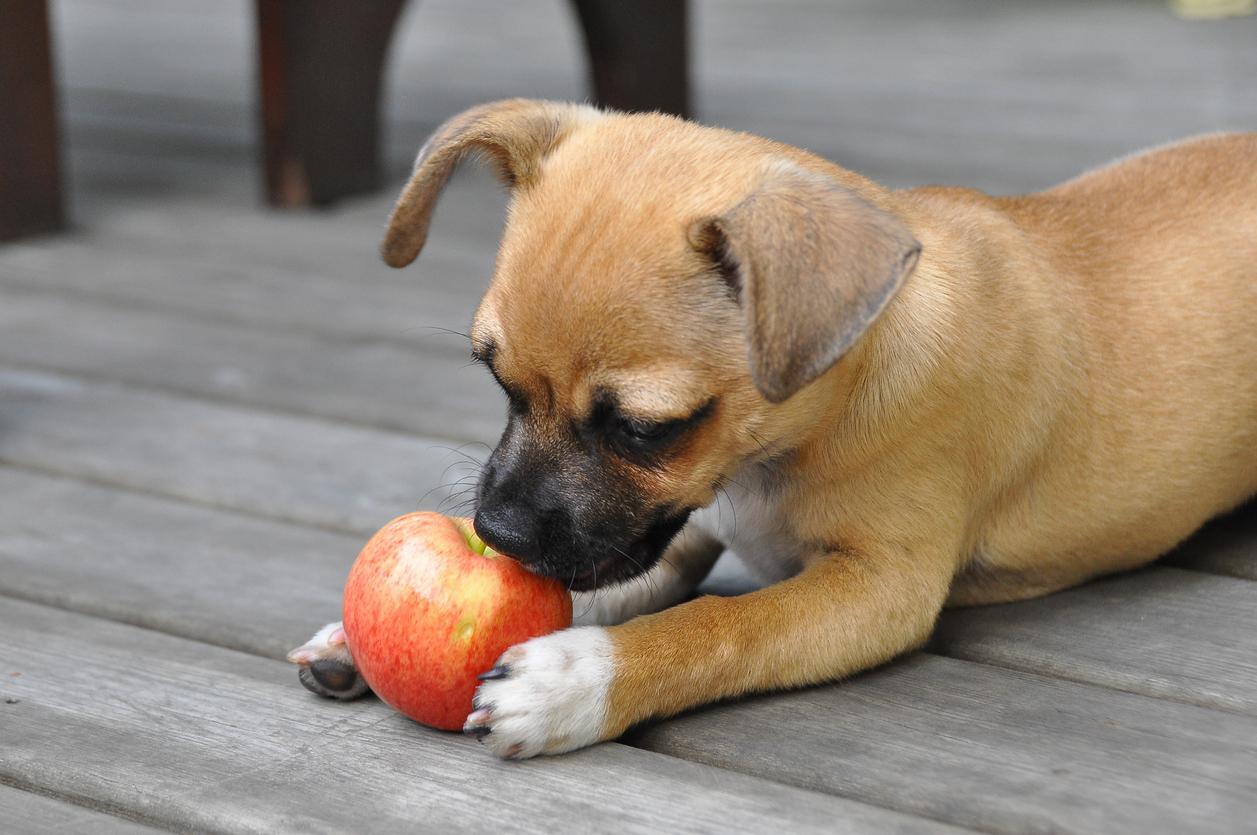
619 564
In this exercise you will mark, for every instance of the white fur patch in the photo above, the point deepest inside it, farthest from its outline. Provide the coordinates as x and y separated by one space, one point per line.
659 588
554 698
321 646
747 519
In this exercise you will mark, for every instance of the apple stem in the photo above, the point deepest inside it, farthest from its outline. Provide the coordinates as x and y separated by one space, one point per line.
477 544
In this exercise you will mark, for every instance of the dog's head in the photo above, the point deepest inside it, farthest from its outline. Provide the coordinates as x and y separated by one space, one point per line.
664 299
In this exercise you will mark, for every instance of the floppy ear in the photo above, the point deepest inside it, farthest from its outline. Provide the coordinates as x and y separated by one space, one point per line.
812 263
514 135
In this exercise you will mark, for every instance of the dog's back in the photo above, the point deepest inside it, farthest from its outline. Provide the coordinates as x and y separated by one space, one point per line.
1158 257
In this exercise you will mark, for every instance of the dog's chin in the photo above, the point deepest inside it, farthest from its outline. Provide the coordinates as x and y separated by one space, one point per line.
608 565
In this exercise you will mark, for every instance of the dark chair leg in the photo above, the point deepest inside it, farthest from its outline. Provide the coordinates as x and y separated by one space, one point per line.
30 169
322 64
638 53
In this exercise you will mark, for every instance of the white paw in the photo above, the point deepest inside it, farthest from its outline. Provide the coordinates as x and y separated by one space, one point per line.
326 665
545 696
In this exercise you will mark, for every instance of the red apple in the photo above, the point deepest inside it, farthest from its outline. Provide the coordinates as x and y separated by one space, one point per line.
428 607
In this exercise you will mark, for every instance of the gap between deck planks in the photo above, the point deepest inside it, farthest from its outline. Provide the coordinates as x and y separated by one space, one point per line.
990 748
195 737
1163 632
381 384
314 472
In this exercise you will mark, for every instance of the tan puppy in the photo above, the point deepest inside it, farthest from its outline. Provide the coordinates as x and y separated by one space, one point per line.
912 399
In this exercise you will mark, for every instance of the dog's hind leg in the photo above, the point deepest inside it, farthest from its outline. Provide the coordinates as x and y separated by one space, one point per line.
684 565
326 665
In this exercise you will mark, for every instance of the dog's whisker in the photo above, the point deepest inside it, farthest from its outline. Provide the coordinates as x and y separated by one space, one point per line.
437 330
642 574
589 605
456 488
757 439
459 498
425 496
733 510
460 450
445 472
458 508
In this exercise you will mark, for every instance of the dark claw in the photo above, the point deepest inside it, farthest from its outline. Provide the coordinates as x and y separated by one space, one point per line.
478 731
500 671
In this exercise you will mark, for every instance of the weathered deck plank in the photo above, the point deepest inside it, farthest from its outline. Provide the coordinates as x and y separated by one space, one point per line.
1161 632
235 581
293 468
991 749
319 274
196 737
26 813
436 393
240 582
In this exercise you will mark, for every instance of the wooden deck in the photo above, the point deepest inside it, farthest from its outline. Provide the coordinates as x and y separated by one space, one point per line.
206 406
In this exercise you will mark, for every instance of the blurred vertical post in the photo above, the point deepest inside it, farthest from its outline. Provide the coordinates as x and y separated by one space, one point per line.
638 53
30 164
321 65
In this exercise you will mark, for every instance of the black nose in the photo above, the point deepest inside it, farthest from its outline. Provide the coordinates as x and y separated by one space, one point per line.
512 529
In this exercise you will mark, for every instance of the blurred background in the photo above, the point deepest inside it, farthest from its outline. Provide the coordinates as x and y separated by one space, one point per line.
167 171
1003 95
195 136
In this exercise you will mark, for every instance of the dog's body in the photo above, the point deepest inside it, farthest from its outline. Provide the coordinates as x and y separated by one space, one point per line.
1081 363
910 399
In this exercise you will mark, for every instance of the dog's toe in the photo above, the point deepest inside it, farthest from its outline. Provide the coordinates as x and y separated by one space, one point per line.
477 723
326 667
545 696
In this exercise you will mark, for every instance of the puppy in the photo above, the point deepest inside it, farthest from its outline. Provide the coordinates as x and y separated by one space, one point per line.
912 399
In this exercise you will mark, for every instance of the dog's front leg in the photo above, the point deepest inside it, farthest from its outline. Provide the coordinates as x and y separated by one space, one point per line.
685 564
846 611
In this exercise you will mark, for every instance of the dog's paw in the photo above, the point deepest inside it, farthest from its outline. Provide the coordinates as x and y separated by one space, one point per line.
326 667
545 696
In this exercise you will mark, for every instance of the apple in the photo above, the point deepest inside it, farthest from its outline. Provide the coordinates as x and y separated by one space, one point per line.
428 607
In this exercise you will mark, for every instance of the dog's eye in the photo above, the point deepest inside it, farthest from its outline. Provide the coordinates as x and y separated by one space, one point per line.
647 432
639 439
